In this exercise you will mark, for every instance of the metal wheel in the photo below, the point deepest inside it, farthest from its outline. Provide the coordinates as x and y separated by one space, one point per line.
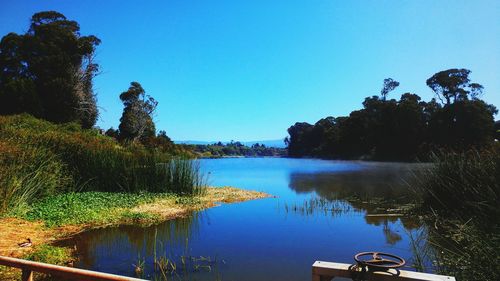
378 260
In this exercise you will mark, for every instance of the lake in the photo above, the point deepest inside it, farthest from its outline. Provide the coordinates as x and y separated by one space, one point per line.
312 217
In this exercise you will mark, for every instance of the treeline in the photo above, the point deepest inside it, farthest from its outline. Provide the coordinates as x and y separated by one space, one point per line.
48 73
234 149
406 129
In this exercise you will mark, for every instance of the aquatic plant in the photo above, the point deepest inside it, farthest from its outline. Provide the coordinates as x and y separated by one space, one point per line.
318 205
183 266
183 176
139 267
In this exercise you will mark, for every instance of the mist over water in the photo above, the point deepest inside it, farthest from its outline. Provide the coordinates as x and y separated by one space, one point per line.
313 217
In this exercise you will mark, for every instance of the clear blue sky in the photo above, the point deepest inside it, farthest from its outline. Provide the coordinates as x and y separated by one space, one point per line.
247 70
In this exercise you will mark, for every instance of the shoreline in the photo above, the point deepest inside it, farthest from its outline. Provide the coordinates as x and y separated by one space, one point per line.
162 208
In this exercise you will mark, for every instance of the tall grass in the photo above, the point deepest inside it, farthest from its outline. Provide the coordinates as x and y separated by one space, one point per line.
459 198
39 158
462 184
183 176
26 175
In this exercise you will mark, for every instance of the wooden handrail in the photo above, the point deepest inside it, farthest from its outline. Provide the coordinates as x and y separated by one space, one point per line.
28 267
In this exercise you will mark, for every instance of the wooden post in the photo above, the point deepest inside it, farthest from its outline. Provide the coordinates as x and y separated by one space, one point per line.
27 275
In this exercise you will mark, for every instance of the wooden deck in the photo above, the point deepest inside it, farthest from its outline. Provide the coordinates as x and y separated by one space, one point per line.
323 271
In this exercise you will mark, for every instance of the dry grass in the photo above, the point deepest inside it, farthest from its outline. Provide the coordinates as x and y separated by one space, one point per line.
168 208
14 231
229 194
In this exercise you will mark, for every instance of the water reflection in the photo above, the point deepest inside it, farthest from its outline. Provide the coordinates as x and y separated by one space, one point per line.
325 210
379 188
381 180
103 248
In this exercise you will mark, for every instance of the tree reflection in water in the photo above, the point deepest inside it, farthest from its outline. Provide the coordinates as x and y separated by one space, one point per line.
379 188
168 240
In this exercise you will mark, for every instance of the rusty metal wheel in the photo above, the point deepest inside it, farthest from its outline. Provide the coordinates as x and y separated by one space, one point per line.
378 260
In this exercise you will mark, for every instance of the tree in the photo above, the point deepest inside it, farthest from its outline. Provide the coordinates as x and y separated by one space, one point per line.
136 122
497 130
48 71
389 86
299 142
454 84
111 132
464 120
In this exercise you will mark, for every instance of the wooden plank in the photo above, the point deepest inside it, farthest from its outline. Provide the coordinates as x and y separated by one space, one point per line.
62 271
332 269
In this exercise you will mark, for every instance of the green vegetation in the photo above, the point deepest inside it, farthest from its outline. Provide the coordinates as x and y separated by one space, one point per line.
460 198
27 174
234 149
55 167
168 266
73 208
50 254
48 73
462 184
402 130
40 158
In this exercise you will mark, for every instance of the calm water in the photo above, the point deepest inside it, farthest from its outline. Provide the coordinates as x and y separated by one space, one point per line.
269 239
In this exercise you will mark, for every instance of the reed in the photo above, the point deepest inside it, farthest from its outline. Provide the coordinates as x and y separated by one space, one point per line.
462 184
458 198
318 205
26 175
183 176
38 158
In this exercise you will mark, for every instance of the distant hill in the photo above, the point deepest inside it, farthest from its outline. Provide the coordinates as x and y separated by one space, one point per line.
269 143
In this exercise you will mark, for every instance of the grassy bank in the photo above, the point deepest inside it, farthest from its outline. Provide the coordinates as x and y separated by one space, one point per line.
61 216
460 200
58 180
40 159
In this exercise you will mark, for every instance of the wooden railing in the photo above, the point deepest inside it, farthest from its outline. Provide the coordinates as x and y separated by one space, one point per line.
69 273
323 271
